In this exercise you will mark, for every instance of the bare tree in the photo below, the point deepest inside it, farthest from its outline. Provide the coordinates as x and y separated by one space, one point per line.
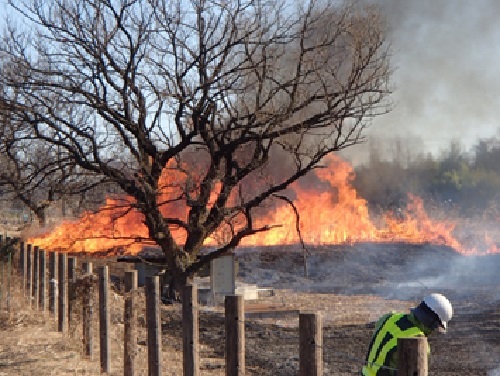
199 98
33 173
38 174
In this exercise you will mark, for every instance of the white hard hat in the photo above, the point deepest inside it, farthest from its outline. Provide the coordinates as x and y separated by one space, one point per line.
441 306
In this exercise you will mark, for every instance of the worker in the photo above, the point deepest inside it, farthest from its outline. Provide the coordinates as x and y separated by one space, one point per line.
432 314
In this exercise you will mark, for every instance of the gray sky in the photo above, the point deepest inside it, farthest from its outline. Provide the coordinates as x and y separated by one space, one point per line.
447 56
447 78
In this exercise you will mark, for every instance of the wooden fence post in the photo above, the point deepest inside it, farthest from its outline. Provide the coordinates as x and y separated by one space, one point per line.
29 271
9 277
104 319
311 344
2 283
412 356
88 309
130 324
153 319
42 278
72 261
2 276
235 335
22 266
63 292
36 270
190 331
53 290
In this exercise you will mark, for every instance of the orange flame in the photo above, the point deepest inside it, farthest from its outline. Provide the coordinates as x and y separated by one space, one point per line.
334 215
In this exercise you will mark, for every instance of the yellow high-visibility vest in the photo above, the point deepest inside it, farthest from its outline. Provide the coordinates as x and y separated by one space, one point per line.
384 343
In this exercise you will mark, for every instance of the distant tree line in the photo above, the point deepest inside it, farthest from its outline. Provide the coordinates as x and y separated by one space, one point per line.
467 181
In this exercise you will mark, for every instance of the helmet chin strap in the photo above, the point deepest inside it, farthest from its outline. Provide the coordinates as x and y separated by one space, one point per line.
426 316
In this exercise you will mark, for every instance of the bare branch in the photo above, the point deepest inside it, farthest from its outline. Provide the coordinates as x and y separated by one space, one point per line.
188 106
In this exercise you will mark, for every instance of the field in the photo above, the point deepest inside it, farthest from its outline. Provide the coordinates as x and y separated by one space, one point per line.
351 286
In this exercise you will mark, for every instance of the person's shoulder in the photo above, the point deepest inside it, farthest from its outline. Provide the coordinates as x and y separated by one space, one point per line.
382 319
386 316
389 314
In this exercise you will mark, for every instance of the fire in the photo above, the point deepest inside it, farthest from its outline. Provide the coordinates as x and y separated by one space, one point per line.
333 214
113 227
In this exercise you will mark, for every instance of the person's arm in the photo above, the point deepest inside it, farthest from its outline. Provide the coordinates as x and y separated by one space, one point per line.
393 364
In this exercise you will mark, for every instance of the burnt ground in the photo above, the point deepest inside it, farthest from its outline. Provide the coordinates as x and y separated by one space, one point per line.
372 279
351 286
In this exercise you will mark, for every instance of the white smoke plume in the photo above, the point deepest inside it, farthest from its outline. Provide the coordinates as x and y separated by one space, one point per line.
446 79
495 372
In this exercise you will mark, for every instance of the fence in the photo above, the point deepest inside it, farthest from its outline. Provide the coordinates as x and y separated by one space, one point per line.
58 282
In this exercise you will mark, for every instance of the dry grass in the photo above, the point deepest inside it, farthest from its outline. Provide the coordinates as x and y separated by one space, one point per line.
31 345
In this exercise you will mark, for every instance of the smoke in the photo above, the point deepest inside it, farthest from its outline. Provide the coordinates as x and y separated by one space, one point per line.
495 372
393 270
446 77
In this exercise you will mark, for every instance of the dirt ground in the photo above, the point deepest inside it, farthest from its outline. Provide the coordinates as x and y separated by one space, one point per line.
349 286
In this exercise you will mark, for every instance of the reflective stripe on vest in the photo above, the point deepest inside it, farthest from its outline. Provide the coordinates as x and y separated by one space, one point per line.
386 339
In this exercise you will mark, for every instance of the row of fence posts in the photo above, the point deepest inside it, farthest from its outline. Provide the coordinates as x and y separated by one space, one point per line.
63 282
5 274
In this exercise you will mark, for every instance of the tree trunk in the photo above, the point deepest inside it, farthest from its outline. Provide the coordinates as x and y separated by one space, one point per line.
175 283
41 217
